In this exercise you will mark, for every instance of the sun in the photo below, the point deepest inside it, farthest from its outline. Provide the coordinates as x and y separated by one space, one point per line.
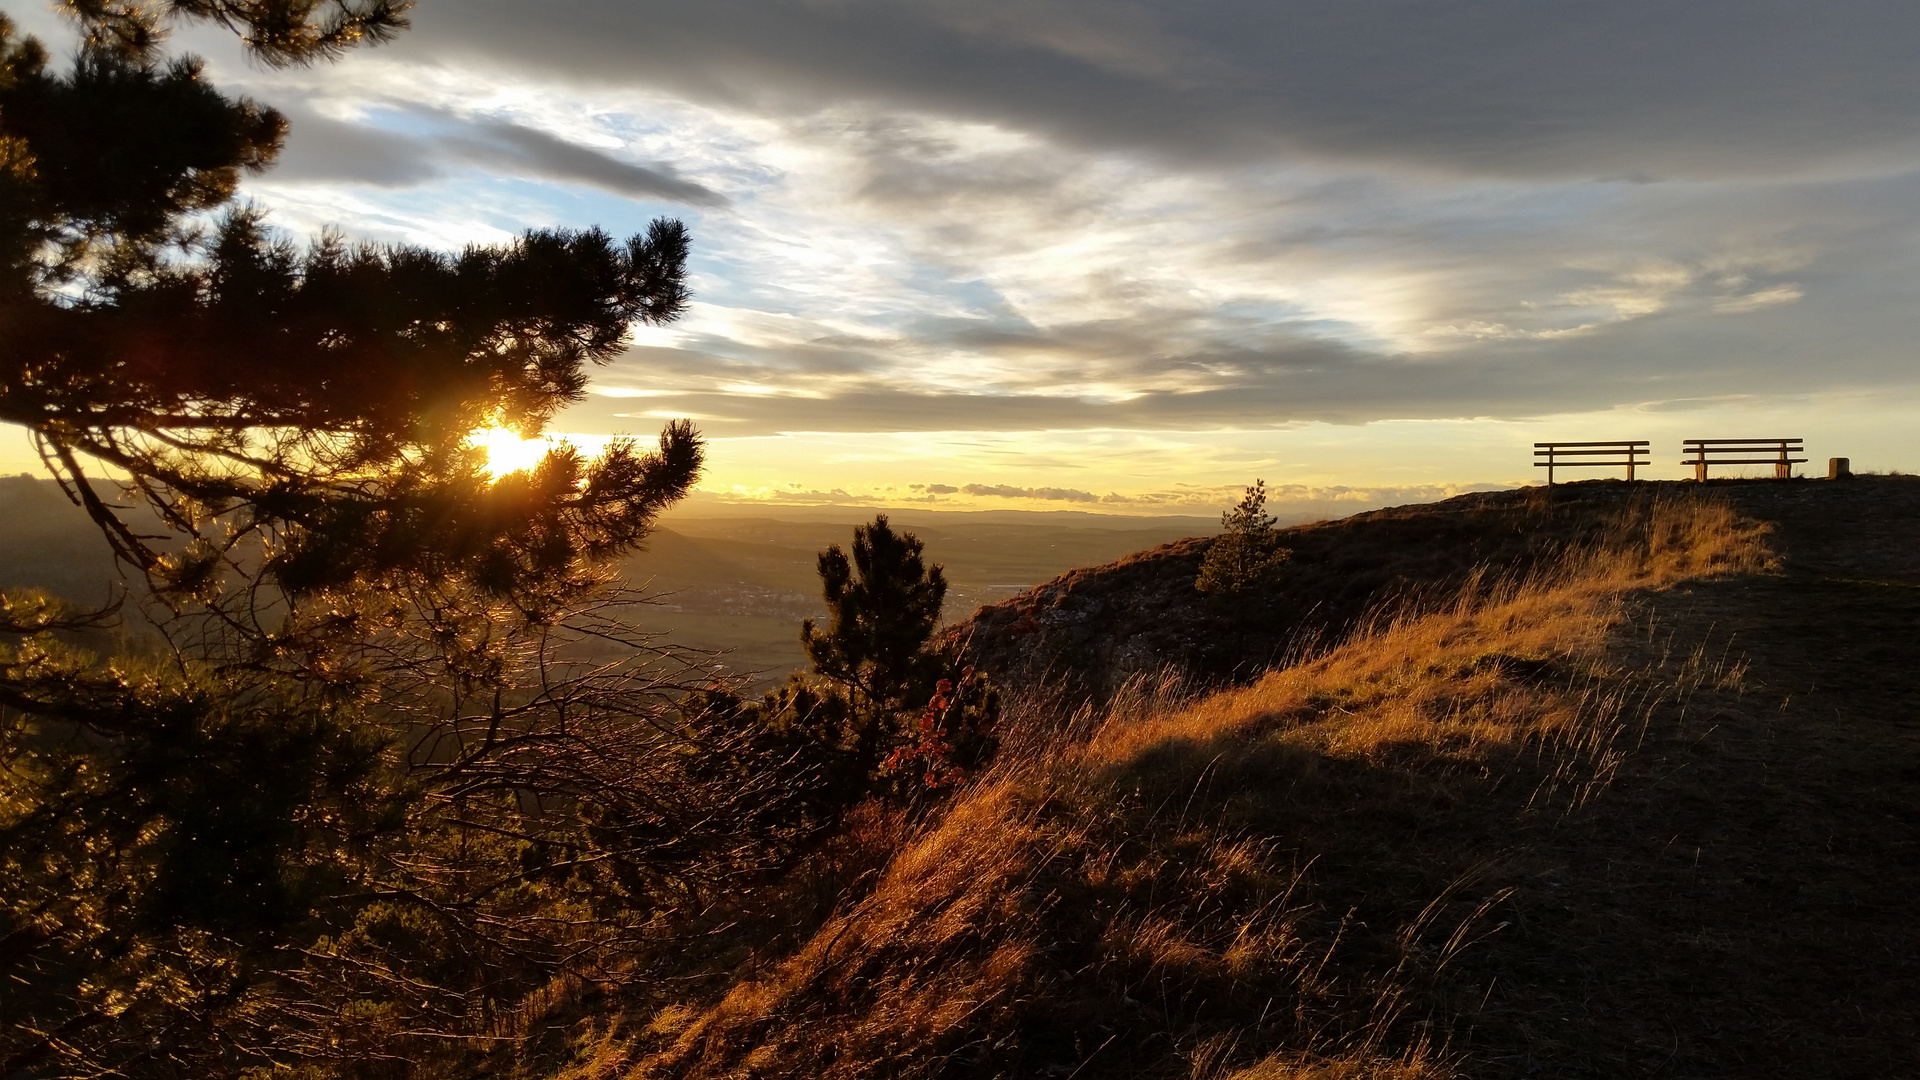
507 452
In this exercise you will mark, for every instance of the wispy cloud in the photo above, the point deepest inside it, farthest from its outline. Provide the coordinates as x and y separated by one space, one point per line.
422 144
509 146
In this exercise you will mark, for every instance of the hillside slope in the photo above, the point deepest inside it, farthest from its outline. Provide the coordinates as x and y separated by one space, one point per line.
1646 810
1097 626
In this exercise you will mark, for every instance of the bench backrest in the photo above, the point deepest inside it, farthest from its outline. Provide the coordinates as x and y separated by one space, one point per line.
1700 453
1616 448
1561 455
1713 449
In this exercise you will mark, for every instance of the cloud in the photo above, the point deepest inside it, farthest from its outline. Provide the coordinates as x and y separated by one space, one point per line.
1754 301
1697 404
1050 494
925 236
324 148
1201 370
320 148
1638 90
1199 504
513 147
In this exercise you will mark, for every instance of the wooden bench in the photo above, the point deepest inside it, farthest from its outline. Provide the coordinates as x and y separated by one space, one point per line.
1564 455
1775 452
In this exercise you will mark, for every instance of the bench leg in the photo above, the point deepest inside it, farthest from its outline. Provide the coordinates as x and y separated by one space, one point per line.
1783 471
1629 470
1700 471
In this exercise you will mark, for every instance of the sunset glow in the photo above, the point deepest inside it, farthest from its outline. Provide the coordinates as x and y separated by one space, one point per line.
508 452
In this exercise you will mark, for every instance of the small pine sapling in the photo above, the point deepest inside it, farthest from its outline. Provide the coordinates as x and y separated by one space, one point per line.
1247 555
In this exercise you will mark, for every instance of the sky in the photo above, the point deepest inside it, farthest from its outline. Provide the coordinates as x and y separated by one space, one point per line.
1126 257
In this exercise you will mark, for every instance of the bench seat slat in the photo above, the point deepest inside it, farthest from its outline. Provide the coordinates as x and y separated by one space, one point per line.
1748 461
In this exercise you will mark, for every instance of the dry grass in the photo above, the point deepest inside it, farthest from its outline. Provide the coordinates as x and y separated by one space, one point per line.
1268 882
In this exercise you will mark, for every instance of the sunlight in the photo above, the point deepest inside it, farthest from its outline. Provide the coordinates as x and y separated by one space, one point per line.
507 452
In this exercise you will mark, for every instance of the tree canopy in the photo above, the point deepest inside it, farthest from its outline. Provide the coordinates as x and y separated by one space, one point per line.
301 417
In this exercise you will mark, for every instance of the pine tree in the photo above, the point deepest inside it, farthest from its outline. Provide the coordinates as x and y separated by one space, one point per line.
885 711
361 800
884 606
298 418
915 714
1247 555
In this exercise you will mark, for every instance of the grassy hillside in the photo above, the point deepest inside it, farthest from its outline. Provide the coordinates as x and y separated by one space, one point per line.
1604 780
1634 799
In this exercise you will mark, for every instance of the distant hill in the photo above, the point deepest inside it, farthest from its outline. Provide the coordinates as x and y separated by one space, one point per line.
737 586
742 584
46 542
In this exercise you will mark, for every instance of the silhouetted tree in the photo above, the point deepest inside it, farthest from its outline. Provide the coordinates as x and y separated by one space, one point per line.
883 606
300 418
885 711
376 788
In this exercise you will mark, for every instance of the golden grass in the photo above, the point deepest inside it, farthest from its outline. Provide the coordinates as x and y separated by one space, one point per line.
1263 883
